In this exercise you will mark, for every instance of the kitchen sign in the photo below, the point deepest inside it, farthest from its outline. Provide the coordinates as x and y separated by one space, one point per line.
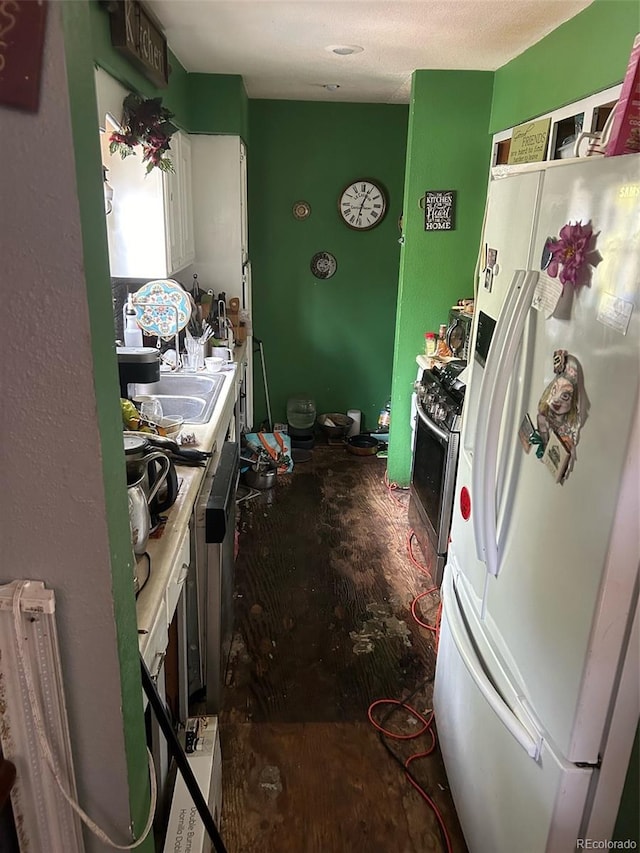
439 210
136 35
529 142
22 28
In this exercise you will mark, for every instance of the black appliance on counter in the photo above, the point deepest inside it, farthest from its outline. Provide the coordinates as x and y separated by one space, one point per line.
137 365
439 400
459 333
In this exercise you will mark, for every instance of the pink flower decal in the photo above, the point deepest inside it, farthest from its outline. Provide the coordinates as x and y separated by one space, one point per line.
569 252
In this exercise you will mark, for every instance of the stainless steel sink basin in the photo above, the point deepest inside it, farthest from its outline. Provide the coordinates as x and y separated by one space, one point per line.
185 395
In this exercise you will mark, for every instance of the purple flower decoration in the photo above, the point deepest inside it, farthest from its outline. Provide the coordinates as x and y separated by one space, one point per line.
569 252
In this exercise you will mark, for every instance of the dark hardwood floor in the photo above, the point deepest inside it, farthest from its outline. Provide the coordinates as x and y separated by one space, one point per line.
323 628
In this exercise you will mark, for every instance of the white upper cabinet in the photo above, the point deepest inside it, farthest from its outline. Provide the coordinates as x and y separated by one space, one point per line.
220 209
150 226
179 205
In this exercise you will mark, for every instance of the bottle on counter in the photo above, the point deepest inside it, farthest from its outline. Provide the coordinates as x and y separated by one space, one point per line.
132 331
430 344
384 418
442 347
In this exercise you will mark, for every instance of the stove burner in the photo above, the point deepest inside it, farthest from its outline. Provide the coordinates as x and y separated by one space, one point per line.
440 394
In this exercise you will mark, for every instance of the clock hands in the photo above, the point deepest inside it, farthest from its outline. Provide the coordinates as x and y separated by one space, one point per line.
362 203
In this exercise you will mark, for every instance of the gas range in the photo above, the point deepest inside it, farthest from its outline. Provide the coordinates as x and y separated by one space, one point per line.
440 394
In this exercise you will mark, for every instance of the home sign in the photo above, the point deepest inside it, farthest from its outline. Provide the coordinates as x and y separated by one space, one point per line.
439 210
136 35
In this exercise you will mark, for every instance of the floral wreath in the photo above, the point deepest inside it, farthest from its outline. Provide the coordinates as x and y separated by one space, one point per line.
147 123
567 254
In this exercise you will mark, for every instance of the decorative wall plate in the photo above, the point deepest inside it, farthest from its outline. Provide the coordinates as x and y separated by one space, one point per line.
323 265
301 209
155 302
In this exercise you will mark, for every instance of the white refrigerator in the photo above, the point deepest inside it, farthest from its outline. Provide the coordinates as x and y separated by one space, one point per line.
536 688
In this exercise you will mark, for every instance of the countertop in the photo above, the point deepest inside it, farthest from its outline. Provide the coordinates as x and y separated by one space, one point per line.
165 551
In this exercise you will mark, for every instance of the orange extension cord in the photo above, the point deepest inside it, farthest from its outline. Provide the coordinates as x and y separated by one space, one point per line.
395 703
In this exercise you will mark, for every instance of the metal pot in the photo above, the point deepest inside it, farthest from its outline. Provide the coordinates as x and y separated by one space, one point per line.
260 479
154 469
139 500
139 517
362 445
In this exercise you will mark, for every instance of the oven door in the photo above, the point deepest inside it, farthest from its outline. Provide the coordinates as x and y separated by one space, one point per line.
435 460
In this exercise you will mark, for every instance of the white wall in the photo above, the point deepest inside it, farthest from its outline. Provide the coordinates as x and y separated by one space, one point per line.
52 521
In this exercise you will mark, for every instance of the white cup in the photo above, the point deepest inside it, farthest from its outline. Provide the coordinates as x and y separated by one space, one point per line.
222 352
213 364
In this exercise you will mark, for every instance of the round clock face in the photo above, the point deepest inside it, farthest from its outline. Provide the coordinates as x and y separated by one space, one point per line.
301 209
362 205
323 265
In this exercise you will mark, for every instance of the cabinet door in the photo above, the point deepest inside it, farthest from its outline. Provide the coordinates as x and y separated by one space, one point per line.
173 206
244 219
217 205
186 201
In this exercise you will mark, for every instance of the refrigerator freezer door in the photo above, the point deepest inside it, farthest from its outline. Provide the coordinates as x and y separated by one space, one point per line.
557 596
508 230
505 799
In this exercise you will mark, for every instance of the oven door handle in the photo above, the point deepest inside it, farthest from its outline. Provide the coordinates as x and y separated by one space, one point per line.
443 435
490 411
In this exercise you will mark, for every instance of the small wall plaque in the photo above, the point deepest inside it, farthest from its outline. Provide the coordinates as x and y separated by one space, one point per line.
439 210
22 28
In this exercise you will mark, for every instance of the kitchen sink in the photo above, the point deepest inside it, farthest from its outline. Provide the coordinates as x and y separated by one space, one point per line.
185 395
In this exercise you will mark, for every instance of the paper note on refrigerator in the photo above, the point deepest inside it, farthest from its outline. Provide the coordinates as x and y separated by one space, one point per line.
547 294
615 312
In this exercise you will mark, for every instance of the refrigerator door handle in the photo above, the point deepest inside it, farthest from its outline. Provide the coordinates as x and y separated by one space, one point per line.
479 476
490 410
531 745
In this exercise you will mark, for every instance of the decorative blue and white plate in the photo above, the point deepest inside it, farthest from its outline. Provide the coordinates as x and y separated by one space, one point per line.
163 308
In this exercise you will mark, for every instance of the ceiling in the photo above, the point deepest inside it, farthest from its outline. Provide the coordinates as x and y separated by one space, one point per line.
282 48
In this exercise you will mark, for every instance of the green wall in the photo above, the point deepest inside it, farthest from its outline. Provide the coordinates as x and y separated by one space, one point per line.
448 148
330 338
218 103
586 54
84 117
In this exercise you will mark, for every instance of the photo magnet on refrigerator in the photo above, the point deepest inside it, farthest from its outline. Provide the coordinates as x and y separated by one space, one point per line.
526 433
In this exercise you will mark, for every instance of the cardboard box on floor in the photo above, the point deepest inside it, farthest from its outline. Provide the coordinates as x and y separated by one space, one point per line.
186 830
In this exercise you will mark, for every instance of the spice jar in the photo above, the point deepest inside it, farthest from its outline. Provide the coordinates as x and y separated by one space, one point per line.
430 344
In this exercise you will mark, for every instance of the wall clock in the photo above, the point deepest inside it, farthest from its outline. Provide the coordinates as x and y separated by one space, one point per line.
301 209
362 204
323 265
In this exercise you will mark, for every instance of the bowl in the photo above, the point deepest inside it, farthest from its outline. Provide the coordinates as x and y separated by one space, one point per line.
171 426
334 424
363 445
